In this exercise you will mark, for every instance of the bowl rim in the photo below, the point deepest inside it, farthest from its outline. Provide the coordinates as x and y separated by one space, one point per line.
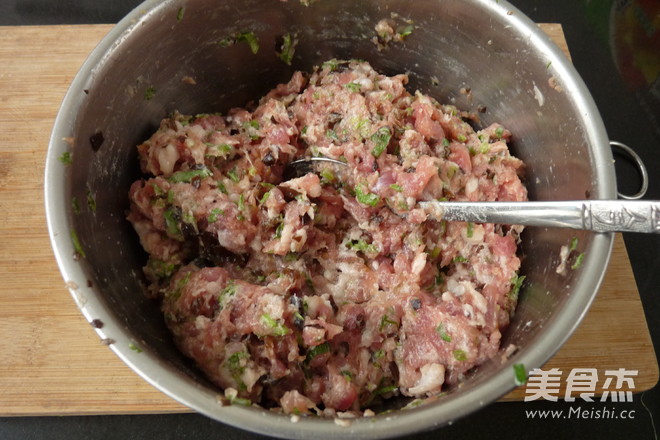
165 378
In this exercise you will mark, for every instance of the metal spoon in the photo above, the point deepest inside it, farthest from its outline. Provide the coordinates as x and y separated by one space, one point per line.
594 215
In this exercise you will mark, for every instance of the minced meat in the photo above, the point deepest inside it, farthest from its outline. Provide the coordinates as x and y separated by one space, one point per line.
331 291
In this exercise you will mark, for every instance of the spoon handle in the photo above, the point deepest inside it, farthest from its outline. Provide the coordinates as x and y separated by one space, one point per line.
594 215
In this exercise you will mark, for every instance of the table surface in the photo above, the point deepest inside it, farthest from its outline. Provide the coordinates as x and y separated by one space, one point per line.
630 106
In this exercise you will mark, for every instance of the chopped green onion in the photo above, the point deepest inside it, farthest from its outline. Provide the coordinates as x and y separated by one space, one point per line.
76 244
578 261
278 230
179 14
134 347
233 175
278 328
519 374
406 30
470 230
366 198
440 329
66 158
188 176
213 216
499 131
250 39
75 206
264 198
460 259
362 246
317 351
573 245
149 93
396 187
461 138
348 375
385 321
229 290
234 400
353 87
331 64
460 355
327 176
288 48
516 284
171 222
221 187
381 138
161 268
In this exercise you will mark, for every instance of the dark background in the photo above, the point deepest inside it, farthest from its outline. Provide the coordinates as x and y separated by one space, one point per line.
615 45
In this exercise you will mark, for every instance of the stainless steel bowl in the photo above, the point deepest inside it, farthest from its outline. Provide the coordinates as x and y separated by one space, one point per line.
488 47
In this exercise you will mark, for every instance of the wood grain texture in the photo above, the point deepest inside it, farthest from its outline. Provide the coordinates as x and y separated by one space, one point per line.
52 361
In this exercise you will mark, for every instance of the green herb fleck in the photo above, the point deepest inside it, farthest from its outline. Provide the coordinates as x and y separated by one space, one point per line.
440 329
578 261
250 39
385 321
91 201
381 138
573 245
362 246
229 290
460 259
134 347
179 14
66 158
396 187
317 351
516 284
331 134
160 268
235 400
347 375
75 206
461 138
149 93
353 87
365 197
519 374
470 230
213 216
406 30
331 65
221 187
235 364
499 131
172 222
233 175
327 176
278 230
76 244
278 328
264 198
288 48
460 355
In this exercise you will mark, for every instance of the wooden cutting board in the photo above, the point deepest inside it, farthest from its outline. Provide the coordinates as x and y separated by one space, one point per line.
52 362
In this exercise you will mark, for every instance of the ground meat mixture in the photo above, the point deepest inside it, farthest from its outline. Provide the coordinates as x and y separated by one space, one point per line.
331 291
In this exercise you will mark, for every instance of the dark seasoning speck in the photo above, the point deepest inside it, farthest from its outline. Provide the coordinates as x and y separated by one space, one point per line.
96 140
